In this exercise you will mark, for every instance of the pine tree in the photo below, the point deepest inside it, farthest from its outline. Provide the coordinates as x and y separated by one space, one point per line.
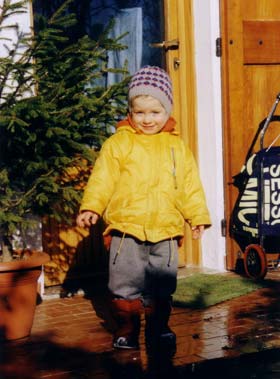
54 115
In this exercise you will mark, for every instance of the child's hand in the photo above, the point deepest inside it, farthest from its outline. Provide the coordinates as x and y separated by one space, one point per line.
86 219
197 231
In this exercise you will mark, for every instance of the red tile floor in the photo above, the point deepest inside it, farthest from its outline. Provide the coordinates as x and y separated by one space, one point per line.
71 339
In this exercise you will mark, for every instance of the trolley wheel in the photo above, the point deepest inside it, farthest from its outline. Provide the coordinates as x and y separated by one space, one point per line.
255 262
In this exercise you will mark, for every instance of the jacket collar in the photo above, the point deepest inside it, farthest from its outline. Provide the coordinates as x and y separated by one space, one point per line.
169 126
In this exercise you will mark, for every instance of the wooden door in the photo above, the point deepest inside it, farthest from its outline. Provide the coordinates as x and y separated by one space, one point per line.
76 252
180 65
250 33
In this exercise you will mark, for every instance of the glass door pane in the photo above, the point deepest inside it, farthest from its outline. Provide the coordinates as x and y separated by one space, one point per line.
141 19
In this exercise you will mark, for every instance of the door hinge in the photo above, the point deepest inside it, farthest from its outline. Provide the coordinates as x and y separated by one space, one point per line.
224 227
218 47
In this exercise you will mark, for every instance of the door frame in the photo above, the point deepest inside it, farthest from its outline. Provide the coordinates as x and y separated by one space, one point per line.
199 109
178 17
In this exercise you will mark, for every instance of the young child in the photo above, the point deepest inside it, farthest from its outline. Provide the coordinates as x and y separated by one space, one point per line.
145 184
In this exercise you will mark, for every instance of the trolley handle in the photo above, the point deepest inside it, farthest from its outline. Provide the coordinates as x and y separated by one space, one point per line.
263 127
268 120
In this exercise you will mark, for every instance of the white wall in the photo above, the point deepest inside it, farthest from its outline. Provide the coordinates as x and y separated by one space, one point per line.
208 78
8 39
22 20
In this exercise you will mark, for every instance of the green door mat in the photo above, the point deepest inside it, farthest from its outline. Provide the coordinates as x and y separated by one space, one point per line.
203 290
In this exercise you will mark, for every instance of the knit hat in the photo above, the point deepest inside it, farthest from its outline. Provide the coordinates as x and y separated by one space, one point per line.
152 81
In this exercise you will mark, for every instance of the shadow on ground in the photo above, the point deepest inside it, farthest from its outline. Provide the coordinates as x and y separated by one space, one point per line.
42 358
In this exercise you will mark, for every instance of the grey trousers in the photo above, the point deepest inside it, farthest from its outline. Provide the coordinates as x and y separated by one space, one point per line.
142 269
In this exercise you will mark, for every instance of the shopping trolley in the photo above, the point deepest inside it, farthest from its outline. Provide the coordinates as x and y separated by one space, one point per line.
255 219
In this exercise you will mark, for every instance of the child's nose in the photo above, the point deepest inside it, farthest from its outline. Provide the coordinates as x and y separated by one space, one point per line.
147 118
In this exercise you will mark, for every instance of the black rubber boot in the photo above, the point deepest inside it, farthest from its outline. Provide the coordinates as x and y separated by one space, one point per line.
158 335
127 314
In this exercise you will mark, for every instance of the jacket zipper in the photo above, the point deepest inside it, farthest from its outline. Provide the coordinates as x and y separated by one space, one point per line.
174 167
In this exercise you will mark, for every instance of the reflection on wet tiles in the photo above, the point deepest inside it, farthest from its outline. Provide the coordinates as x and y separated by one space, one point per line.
71 339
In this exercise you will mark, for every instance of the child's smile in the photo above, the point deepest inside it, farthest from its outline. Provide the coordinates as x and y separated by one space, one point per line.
148 114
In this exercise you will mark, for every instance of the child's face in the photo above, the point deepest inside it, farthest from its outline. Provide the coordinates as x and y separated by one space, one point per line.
148 114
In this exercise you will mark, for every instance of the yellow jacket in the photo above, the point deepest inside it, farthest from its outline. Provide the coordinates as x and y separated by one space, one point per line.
146 185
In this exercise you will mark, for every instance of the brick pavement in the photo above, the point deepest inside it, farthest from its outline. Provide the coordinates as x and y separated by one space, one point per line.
71 339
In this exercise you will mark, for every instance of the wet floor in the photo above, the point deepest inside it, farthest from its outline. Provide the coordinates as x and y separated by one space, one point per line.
71 339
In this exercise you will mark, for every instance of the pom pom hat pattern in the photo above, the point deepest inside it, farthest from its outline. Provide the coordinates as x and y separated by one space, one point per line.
152 81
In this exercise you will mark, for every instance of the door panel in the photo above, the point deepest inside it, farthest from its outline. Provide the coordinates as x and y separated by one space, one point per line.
251 74
261 41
